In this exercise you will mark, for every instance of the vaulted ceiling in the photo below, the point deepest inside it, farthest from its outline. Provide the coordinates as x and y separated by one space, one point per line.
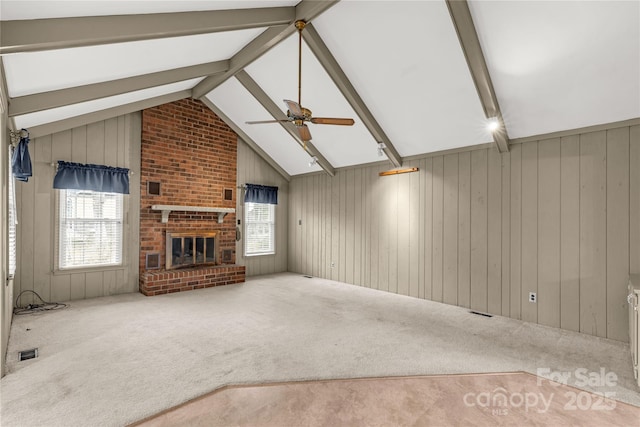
418 76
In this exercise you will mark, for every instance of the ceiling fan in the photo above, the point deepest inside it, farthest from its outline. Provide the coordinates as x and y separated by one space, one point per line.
296 113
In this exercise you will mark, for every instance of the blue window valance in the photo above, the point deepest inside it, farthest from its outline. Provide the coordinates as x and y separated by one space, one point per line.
21 161
105 179
261 194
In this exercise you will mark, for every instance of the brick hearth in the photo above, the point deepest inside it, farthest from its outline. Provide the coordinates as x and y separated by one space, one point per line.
164 282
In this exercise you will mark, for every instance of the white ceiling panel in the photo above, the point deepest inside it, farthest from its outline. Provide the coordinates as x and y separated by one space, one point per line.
55 114
34 72
561 65
277 74
30 9
405 61
240 106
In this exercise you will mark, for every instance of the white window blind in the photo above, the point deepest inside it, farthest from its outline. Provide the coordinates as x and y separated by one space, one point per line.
259 221
90 229
12 221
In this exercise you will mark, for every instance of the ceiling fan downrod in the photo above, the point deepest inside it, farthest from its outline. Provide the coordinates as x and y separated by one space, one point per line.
300 24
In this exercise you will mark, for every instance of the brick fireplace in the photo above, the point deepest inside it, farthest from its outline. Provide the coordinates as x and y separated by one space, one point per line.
188 160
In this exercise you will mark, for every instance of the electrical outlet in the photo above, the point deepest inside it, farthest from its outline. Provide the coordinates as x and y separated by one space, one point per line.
533 297
333 264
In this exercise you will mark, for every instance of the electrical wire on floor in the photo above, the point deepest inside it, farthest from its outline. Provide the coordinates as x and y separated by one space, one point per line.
34 307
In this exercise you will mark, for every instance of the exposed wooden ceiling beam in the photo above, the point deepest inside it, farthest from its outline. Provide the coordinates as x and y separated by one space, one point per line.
276 111
58 33
328 61
306 10
466 30
244 57
58 98
4 102
246 138
72 122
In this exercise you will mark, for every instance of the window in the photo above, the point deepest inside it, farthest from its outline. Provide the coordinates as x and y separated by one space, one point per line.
12 221
90 229
259 221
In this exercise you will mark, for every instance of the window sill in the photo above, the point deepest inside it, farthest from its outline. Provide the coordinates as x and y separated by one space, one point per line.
260 254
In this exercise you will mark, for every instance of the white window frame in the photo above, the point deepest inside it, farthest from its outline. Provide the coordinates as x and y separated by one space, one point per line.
60 200
12 215
246 230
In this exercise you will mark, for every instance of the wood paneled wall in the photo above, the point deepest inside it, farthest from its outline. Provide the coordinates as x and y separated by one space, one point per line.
113 142
252 169
477 229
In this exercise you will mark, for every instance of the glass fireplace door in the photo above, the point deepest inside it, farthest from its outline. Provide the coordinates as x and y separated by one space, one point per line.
190 249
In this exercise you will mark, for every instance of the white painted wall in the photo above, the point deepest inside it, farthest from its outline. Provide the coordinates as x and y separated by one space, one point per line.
477 229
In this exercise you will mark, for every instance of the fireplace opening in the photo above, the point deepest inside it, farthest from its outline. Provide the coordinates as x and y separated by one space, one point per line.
189 249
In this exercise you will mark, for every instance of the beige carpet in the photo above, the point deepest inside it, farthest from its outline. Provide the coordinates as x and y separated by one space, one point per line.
116 360
512 399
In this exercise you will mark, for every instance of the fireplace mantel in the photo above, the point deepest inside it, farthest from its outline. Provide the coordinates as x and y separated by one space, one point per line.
166 210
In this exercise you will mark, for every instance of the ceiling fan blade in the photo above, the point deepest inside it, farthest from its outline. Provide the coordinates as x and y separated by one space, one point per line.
332 121
304 133
294 108
257 122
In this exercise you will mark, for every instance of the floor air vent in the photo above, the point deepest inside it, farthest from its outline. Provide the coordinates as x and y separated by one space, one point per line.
28 354
481 314
308 277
